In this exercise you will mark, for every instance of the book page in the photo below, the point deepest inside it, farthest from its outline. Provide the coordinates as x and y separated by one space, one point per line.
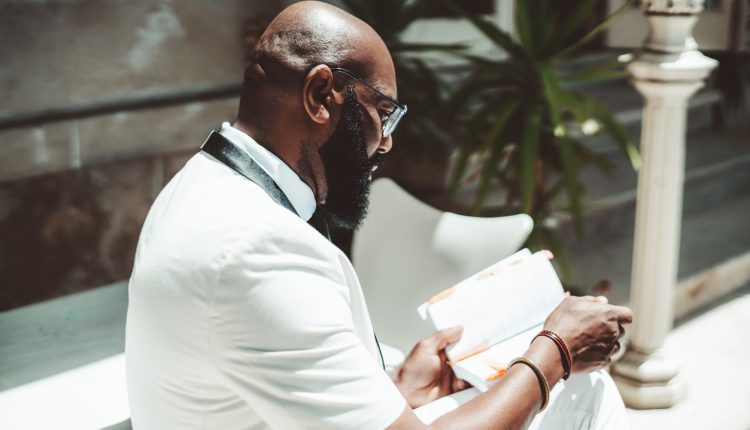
481 370
498 303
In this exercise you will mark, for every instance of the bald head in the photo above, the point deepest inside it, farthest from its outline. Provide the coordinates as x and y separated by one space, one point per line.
310 33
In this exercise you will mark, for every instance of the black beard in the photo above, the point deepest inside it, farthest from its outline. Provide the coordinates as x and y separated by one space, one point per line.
348 169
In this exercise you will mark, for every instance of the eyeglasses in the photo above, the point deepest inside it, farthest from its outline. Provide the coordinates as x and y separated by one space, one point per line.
391 120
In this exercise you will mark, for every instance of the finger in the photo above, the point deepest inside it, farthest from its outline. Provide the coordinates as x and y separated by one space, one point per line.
622 332
450 335
440 339
615 348
459 385
624 315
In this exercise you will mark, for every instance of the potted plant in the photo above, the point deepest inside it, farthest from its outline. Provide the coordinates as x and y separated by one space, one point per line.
521 123
509 124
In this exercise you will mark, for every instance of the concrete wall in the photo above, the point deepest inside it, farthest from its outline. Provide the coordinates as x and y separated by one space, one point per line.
102 102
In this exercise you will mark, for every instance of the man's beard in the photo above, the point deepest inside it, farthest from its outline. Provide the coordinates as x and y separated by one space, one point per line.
348 169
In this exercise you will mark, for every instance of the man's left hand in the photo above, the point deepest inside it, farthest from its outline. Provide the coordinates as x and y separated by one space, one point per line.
426 375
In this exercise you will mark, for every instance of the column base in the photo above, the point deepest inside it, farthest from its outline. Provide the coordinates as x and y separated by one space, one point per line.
648 380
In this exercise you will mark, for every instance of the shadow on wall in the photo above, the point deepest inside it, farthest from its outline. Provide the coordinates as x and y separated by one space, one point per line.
102 103
70 231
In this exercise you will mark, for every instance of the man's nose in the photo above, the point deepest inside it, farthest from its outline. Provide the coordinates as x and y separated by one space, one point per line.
385 144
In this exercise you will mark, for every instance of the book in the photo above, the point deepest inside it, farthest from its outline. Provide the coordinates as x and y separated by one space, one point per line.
501 309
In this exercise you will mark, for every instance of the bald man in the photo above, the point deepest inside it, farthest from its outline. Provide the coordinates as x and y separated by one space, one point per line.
242 315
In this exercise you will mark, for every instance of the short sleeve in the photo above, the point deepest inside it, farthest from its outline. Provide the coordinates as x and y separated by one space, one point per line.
285 341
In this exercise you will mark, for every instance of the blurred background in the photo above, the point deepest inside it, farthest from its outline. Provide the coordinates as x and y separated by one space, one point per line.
104 101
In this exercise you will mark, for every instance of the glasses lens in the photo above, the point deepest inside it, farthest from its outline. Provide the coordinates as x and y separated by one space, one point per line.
392 121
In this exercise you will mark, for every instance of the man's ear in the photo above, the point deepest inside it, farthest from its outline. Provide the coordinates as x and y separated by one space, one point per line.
318 94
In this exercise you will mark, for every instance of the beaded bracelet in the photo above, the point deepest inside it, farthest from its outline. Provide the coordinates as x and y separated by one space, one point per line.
567 360
543 384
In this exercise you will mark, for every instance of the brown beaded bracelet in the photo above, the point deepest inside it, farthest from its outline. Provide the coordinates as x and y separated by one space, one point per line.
567 360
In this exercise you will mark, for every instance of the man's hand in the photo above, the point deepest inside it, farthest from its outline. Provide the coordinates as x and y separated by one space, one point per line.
425 375
591 328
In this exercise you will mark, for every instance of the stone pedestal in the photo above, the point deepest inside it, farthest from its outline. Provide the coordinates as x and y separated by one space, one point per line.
666 72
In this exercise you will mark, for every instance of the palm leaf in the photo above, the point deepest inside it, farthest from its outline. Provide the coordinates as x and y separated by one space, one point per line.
599 75
501 120
494 143
587 155
458 171
411 11
554 189
583 9
477 121
511 69
471 87
546 26
617 132
500 38
524 25
570 181
585 107
552 95
598 29
428 79
398 47
489 170
611 69
565 147
529 153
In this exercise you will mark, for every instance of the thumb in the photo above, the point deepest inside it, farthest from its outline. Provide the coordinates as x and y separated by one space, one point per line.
447 336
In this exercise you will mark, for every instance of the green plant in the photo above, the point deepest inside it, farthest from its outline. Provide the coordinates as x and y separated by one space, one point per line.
516 117
522 122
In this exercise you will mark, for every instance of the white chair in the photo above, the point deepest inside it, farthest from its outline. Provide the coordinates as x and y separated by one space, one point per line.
407 251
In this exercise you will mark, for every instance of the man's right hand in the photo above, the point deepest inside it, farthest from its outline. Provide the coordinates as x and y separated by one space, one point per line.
591 328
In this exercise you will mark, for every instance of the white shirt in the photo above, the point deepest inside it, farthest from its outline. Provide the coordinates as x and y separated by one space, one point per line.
298 193
242 316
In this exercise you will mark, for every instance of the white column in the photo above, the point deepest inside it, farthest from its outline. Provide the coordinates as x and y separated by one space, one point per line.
667 71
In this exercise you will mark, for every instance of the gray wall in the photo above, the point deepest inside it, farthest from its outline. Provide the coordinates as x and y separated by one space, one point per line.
102 102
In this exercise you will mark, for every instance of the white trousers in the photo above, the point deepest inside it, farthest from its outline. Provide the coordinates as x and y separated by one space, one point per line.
584 401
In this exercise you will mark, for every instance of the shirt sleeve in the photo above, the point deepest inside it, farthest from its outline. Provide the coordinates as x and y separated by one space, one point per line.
285 340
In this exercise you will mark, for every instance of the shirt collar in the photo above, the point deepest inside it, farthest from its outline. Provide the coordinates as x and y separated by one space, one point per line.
298 193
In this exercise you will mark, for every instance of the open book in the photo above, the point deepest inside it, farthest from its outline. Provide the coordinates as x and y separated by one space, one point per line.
501 309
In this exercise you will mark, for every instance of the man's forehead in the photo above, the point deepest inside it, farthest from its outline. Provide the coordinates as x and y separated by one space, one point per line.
386 87
381 74
374 59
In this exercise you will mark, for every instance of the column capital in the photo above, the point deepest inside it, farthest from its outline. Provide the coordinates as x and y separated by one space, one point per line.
670 52
688 66
674 7
674 93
